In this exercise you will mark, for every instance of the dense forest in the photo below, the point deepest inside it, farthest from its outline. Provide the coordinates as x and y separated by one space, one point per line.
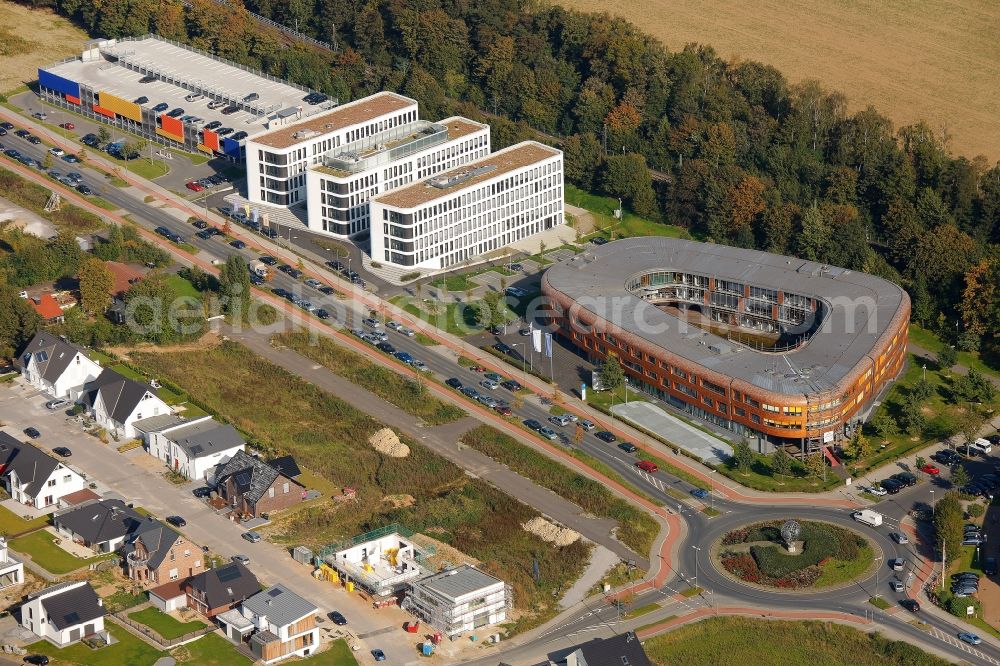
728 149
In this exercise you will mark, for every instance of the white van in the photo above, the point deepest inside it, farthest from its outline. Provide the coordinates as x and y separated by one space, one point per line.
982 445
193 97
868 517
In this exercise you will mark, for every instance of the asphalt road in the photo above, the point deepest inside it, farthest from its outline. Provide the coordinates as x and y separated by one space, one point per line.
852 599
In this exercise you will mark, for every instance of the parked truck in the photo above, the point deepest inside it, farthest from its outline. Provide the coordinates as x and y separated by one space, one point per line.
868 517
260 269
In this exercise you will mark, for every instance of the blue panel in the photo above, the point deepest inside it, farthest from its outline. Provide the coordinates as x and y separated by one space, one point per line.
58 83
231 148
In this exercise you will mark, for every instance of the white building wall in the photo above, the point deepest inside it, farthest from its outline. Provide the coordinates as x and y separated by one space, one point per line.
467 222
80 371
331 198
60 483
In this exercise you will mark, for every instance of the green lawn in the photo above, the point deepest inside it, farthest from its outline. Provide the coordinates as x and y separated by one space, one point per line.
163 624
736 641
931 342
630 225
128 650
835 572
455 283
338 654
183 287
209 650
455 318
52 558
11 523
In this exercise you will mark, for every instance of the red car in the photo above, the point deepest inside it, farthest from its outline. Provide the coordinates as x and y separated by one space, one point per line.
68 126
647 466
194 185
478 368
930 469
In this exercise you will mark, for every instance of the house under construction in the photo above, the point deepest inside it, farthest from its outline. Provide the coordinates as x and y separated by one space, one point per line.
382 562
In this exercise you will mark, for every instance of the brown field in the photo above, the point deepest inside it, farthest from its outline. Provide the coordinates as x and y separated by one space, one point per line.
936 60
30 38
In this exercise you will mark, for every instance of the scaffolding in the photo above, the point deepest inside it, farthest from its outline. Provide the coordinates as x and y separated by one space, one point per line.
384 568
450 621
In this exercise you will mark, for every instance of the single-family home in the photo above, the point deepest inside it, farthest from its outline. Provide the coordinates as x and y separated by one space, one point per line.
48 309
278 622
116 403
156 554
102 525
56 367
252 487
218 590
33 477
621 650
190 447
11 568
64 613
459 599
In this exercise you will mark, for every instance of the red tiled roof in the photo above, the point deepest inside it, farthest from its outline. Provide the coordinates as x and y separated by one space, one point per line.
125 275
46 306
79 497
170 590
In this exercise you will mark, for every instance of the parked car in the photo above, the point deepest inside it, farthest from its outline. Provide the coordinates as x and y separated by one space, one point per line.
454 382
587 425
548 433
561 420
933 470
242 559
891 486
56 404
194 186
68 126
37 659
878 491
532 424
252 537
606 436
56 151
628 447
176 521
337 618
371 322
238 244
647 466
905 478
990 566
162 106
62 451
378 655
202 491
32 432
511 385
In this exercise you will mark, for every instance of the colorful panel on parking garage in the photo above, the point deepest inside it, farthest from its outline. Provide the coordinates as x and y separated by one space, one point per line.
210 140
231 147
121 106
104 112
171 127
73 100
59 84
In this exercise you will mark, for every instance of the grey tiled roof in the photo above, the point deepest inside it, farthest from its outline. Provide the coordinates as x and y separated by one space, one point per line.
52 355
33 466
205 438
159 422
120 394
280 605
73 606
621 650
226 585
100 521
157 537
251 475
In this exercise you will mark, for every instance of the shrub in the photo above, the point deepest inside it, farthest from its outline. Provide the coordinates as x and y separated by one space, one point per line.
975 510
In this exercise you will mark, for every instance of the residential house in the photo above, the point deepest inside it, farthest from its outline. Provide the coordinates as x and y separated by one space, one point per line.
11 568
56 367
252 487
156 554
33 477
278 622
190 447
117 402
218 590
286 465
621 650
48 308
64 613
459 599
124 277
102 525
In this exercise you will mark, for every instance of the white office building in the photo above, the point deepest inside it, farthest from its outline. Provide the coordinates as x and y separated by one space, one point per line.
346 178
471 210
277 160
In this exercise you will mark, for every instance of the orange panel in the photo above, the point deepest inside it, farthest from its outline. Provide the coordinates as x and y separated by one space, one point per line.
72 100
121 106
172 127
104 112
211 139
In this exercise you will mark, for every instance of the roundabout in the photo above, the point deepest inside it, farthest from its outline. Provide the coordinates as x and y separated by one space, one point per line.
794 556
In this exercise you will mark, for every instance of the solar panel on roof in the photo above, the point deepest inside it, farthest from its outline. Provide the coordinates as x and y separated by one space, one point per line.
73 618
229 573
197 448
274 592
42 356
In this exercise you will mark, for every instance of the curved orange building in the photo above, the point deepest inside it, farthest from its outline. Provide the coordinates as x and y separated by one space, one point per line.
766 345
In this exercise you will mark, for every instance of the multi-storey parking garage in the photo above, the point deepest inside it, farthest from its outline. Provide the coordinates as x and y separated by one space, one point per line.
765 345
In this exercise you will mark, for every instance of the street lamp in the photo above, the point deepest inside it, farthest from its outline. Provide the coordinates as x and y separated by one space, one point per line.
711 479
697 549
523 369
924 376
877 567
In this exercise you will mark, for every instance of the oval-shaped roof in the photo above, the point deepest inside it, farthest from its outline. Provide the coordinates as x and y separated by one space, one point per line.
863 311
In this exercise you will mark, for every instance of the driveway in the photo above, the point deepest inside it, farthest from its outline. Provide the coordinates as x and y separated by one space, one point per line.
131 477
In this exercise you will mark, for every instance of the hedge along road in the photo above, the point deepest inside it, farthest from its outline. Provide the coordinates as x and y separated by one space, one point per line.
673 559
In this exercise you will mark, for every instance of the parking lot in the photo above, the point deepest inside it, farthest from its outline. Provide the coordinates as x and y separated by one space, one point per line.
138 478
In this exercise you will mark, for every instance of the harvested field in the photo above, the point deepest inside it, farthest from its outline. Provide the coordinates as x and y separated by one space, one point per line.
30 38
935 60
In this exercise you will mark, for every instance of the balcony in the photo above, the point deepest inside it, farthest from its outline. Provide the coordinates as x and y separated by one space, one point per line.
385 147
135 560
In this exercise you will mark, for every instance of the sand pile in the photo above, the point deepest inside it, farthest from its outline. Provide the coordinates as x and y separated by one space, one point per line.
387 442
546 531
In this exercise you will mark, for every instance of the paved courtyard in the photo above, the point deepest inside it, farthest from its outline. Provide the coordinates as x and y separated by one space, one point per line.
711 450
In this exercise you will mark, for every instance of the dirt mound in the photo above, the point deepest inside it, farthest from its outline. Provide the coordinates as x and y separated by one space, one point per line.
546 531
444 555
399 501
387 442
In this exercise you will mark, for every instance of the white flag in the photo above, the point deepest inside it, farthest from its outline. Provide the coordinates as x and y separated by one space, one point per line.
536 340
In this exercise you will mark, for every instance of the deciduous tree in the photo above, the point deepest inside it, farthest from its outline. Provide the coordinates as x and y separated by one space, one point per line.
96 284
